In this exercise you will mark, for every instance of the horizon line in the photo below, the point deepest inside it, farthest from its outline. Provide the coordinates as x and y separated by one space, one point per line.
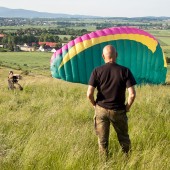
86 15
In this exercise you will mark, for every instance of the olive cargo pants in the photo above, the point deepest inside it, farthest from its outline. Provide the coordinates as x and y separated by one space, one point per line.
102 119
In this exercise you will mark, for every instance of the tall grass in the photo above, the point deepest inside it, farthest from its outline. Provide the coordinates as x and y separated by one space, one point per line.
49 125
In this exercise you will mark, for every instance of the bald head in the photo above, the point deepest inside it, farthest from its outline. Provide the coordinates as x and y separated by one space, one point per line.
109 54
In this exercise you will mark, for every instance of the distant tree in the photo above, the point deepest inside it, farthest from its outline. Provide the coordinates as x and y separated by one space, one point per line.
41 38
24 39
58 45
83 31
44 30
50 38
47 38
11 47
72 37
5 40
56 38
167 59
65 39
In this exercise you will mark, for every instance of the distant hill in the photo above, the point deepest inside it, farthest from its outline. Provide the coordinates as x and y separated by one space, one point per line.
22 13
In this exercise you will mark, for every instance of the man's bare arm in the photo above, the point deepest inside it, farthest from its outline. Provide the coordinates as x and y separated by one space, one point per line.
90 95
131 97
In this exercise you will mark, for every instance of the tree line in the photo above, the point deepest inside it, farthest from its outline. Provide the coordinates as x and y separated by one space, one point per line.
34 35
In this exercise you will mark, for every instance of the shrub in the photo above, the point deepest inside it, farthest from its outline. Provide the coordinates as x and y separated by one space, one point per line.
167 59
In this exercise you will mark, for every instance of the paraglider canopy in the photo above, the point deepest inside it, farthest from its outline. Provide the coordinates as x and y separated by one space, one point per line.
137 50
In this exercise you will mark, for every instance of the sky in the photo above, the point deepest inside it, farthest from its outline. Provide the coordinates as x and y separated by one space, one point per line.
105 8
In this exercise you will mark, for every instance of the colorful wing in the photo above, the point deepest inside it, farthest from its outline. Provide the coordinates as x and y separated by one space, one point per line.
137 50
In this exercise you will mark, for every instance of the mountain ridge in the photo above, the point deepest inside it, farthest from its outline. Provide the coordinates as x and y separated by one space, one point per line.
23 13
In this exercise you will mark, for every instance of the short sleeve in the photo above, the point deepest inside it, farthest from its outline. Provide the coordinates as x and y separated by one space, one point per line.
130 79
93 79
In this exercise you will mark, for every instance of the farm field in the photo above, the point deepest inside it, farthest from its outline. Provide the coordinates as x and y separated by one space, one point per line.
49 125
166 40
33 62
14 28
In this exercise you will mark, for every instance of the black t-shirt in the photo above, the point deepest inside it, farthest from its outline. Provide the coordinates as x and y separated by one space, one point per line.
111 81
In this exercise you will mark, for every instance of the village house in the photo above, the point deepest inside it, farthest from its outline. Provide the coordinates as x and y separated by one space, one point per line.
1 37
26 47
47 46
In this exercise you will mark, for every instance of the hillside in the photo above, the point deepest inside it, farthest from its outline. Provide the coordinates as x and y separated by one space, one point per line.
49 125
22 13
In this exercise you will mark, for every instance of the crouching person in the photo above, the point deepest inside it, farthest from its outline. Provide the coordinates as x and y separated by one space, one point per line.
13 81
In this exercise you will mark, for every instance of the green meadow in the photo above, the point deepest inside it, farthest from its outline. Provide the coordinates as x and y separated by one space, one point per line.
33 62
166 40
49 125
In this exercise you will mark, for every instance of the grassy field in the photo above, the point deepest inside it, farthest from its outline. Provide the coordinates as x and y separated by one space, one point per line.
14 28
33 62
49 125
159 32
166 40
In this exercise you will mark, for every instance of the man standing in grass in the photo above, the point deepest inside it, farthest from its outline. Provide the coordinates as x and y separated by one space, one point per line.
111 81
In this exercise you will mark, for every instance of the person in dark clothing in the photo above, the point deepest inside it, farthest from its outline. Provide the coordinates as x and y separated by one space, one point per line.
13 80
111 81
